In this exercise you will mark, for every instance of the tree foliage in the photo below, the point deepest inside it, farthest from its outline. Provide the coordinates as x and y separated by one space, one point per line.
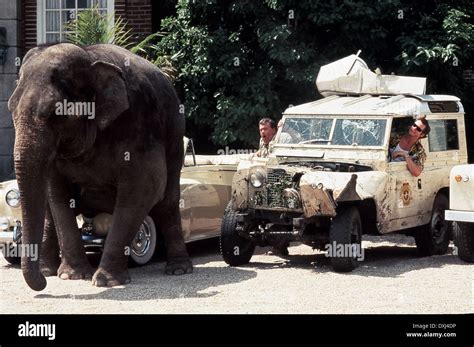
91 26
238 61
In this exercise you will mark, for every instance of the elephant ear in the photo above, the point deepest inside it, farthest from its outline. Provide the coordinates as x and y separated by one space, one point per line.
29 57
111 97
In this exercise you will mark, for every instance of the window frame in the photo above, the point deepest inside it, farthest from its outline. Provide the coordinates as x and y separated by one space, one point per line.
446 133
41 19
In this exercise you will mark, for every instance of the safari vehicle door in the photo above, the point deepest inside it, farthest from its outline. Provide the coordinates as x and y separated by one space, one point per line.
445 146
406 189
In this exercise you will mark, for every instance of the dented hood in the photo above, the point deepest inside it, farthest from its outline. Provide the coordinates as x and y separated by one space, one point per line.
347 185
321 191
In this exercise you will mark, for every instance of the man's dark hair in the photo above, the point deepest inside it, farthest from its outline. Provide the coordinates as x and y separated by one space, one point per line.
427 128
269 121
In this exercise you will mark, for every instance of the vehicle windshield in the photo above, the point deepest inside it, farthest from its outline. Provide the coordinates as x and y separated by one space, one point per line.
333 131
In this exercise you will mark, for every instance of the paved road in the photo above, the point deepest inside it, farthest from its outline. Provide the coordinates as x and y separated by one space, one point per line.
393 279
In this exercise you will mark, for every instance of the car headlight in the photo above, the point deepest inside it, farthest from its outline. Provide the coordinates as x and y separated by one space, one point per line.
257 179
4 223
13 198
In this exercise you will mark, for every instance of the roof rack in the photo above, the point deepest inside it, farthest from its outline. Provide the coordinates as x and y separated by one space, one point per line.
351 75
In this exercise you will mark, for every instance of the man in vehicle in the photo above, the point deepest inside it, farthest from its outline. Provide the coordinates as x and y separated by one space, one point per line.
267 129
408 148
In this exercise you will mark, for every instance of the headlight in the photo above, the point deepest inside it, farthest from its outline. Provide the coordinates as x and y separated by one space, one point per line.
4 223
13 198
257 179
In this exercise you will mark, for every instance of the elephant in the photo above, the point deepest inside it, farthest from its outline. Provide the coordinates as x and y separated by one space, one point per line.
97 129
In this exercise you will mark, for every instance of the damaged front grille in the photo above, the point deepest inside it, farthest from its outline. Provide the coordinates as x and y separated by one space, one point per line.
279 192
277 180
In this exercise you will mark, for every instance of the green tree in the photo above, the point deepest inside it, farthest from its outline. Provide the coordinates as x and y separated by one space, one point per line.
238 61
440 46
91 26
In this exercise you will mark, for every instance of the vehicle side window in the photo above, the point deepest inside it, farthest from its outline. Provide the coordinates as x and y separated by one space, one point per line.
443 135
400 126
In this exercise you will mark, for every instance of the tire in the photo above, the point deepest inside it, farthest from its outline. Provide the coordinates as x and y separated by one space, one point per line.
346 229
9 259
235 249
464 240
143 245
433 239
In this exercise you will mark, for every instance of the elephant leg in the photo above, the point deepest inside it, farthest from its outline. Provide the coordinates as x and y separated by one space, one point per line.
112 270
49 261
74 263
169 220
168 216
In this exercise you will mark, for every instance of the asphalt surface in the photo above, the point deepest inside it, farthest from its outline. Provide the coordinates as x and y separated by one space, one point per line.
392 279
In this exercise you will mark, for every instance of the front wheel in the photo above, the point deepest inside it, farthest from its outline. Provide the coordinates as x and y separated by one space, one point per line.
345 237
11 253
144 243
235 249
434 238
464 241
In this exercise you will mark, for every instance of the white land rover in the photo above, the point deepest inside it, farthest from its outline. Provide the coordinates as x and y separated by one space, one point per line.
329 178
461 204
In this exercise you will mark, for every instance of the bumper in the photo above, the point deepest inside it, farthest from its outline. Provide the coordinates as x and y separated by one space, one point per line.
11 236
459 216
6 237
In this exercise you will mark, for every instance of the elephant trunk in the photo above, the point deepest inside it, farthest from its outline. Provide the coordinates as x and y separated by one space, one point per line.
32 152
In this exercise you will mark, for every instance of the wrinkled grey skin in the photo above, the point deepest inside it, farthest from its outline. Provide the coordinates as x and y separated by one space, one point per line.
126 160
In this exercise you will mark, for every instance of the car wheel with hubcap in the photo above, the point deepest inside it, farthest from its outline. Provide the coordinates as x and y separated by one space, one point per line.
144 243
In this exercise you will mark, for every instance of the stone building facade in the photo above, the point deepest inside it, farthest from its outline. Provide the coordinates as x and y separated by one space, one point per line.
10 40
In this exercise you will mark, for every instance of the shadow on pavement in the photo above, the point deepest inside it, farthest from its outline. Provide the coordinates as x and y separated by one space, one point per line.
380 260
151 283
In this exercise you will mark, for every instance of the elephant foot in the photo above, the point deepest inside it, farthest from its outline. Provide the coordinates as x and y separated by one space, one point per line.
104 278
179 266
49 260
49 266
79 272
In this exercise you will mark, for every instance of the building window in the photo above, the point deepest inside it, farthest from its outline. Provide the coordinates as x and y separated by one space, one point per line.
52 15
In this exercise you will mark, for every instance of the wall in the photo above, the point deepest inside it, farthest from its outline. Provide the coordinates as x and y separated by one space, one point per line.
10 15
138 15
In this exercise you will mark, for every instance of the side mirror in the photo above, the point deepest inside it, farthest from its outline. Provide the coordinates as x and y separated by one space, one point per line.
189 150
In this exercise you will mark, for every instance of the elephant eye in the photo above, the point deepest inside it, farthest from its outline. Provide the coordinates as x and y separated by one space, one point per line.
59 81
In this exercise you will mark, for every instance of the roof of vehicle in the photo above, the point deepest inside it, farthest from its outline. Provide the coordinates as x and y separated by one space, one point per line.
393 105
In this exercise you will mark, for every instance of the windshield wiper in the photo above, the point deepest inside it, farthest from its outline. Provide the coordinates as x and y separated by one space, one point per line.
313 141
